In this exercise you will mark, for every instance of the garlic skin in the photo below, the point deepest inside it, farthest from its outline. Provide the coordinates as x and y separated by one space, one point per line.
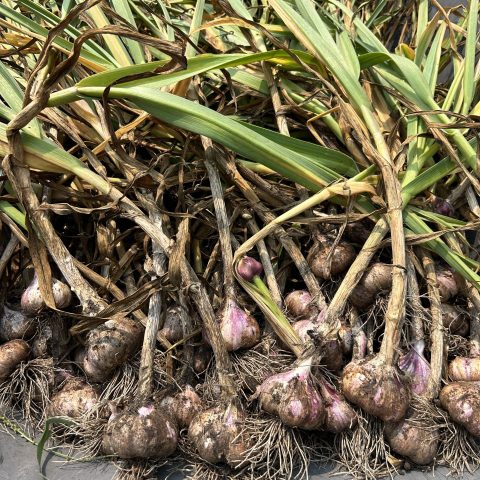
15 324
462 401
326 264
292 397
74 399
183 406
12 354
455 320
172 328
418 444
376 280
201 358
217 435
239 330
464 369
340 415
416 367
331 345
299 305
380 390
109 346
32 301
447 281
142 433
248 268
345 336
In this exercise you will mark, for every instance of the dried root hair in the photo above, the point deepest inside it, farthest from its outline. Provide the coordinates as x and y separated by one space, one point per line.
362 452
459 450
27 392
277 452
254 365
280 452
82 438
139 469
124 382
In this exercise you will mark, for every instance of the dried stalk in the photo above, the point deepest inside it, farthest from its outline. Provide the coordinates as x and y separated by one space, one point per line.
436 329
159 261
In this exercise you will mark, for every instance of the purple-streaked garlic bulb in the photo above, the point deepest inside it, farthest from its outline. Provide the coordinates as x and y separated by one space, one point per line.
32 301
377 388
239 330
12 354
144 432
299 305
75 398
327 262
217 435
412 439
292 397
339 414
464 369
462 401
15 324
184 406
248 268
415 366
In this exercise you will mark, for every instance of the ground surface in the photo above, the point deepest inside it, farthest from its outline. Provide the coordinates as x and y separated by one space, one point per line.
18 462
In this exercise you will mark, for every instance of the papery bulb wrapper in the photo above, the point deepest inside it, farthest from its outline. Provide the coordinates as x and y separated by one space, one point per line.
217 435
464 369
299 304
15 324
292 396
12 354
377 388
326 263
239 330
75 398
32 301
415 366
413 440
339 414
184 406
462 401
142 433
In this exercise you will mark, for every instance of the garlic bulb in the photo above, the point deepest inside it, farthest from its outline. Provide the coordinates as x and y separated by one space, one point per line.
32 301
339 414
292 396
462 401
464 369
217 435
378 389
299 304
239 330
144 432
415 366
